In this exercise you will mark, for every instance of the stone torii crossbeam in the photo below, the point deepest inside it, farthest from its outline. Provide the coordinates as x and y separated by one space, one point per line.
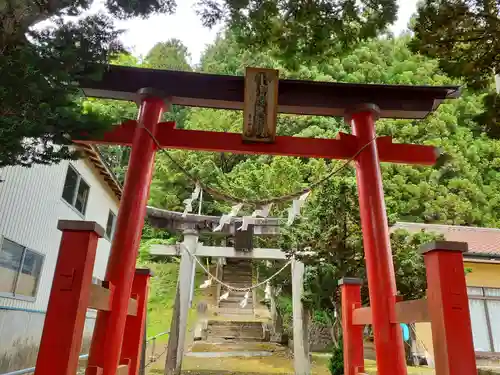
194 226
360 104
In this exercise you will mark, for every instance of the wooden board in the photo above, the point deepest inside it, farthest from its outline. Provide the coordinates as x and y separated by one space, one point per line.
100 298
362 316
260 109
132 307
122 370
414 311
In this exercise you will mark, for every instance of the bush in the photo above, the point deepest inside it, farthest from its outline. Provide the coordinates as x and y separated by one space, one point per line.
336 364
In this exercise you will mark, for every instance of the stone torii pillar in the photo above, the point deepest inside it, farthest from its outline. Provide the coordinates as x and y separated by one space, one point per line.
176 339
300 321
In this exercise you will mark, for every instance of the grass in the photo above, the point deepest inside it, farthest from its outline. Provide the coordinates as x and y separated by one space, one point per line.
162 298
279 363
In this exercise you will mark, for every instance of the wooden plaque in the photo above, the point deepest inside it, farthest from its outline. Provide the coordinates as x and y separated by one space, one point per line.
261 105
243 240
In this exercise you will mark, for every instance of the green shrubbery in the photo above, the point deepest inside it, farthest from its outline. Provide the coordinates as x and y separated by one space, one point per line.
336 363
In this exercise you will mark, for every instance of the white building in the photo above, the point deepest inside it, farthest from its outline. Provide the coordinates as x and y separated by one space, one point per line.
32 201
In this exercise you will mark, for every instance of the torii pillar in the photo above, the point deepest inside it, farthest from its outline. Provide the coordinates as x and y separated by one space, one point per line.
106 348
389 347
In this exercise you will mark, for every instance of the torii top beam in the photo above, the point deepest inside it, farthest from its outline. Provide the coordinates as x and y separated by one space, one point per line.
295 97
173 221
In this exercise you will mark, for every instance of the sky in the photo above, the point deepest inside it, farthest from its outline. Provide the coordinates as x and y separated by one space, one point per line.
141 35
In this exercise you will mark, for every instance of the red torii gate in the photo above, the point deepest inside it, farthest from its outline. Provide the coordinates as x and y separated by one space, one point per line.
361 104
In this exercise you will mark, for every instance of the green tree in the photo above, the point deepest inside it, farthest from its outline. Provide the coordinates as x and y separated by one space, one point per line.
336 362
464 36
304 29
171 55
41 107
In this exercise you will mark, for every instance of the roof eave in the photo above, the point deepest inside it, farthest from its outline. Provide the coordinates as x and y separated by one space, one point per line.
104 170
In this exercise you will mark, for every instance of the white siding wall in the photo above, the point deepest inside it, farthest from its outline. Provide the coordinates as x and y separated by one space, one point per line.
30 206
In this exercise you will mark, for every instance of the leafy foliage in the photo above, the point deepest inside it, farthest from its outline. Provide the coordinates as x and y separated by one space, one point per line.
41 106
304 29
464 36
172 55
336 362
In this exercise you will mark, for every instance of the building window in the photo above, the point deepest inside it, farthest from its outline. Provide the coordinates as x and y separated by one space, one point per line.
76 190
20 270
110 225
484 305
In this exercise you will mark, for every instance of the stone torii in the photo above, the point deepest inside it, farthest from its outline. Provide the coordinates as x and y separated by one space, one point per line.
194 226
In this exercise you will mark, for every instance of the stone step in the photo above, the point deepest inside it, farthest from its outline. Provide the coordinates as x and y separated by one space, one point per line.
236 298
242 284
234 336
201 346
235 305
238 261
235 339
239 283
239 323
236 293
235 328
242 270
225 333
236 271
237 276
233 311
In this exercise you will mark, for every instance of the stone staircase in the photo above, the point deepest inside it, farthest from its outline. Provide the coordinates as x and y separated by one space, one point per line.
237 273
232 323
218 330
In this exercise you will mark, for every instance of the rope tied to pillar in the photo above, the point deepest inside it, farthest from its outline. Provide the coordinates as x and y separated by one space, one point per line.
229 287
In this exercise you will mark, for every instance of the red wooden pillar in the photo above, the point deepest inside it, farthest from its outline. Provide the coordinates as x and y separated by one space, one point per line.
389 347
352 335
110 325
69 298
449 308
136 325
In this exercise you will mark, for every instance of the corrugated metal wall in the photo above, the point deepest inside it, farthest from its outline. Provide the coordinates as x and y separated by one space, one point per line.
30 207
